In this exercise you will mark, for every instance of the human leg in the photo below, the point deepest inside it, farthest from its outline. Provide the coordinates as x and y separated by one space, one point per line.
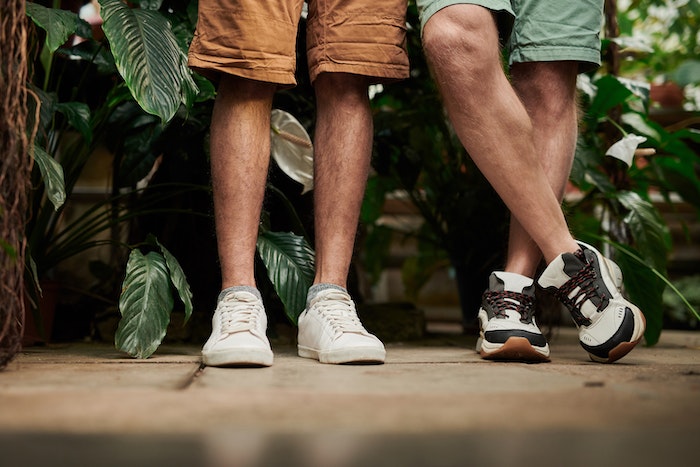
550 44
329 329
459 42
544 65
342 63
240 148
240 152
548 92
250 48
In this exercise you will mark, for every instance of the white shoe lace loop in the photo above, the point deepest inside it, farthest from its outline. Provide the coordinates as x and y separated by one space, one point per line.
339 311
238 314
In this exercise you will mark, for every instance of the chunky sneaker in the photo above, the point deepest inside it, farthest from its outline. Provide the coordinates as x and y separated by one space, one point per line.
238 332
508 327
588 284
331 332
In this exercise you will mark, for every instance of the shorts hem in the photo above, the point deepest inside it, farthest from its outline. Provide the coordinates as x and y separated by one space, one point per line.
589 59
380 73
211 69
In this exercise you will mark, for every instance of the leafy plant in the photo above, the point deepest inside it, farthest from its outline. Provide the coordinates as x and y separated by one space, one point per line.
139 86
74 113
618 190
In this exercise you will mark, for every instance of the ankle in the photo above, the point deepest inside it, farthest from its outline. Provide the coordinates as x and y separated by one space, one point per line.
315 289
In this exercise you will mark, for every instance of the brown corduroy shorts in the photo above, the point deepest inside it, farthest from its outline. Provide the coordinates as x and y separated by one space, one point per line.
256 39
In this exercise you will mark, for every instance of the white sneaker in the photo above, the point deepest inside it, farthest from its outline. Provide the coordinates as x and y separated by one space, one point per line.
331 332
238 332
588 284
506 318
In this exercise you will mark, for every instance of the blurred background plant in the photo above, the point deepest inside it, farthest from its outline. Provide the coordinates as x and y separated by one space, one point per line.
461 224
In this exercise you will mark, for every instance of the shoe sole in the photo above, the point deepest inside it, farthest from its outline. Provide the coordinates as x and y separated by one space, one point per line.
615 354
361 355
516 349
238 357
621 349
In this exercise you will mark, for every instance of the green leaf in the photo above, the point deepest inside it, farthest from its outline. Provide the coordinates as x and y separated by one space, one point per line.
47 103
58 24
207 91
148 58
145 305
52 174
687 73
641 125
645 289
177 276
611 92
681 178
289 261
648 229
78 115
94 53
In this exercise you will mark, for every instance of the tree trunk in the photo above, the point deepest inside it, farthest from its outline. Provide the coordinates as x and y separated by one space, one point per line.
15 169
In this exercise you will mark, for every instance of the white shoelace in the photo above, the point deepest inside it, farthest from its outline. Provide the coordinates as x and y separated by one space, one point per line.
339 311
239 314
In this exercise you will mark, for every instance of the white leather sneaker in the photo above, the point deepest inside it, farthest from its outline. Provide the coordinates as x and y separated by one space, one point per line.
506 319
588 284
331 332
238 336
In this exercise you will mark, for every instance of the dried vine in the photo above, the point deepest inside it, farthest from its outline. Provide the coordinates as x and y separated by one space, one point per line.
15 169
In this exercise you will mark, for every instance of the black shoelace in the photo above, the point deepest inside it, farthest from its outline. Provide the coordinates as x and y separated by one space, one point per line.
585 281
522 303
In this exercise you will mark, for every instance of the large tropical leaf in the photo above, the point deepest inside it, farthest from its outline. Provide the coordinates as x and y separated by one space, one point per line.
611 92
644 280
148 58
650 233
645 289
52 174
78 115
58 24
145 304
47 103
177 277
289 261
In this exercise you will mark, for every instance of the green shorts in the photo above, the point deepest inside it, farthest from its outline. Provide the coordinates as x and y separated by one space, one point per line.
543 31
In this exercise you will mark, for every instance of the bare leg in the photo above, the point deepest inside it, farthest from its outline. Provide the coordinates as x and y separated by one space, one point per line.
461 43
343 145
240 152
329 329
548 91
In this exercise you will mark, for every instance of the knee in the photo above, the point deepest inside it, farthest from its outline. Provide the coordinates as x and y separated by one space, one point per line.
548 86
453 35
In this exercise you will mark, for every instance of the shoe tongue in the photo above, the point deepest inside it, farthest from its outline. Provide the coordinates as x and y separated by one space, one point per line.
573 263
510 282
